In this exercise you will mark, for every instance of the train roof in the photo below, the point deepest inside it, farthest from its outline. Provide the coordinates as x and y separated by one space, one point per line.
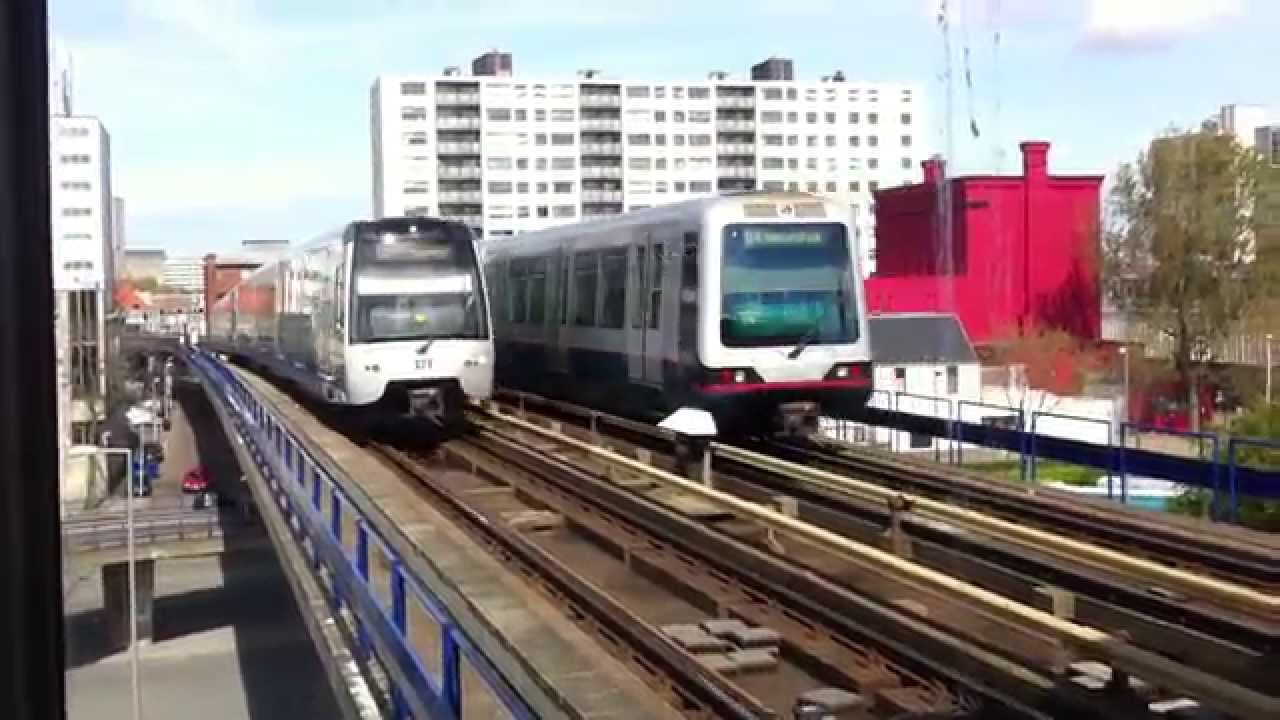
539 241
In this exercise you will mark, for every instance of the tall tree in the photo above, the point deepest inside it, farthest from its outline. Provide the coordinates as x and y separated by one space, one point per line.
1179 251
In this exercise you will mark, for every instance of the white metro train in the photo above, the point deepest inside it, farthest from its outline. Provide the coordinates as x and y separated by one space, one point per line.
389 315
749 306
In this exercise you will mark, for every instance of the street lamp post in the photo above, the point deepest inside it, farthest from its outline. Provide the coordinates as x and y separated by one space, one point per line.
1124 353
131 555
1268 368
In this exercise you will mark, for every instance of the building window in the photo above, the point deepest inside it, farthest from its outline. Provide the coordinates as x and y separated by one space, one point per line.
638 163
677 140
811 141
793 163
562 139
679 186
812 187
660 186
773 186
771 117
811 117
953 379
417 211
659 115
677 116
498 163
521 114
873 163
659 92
564 163
793 186
413 113
77 159
415 138
773 93
413 88
906 118
700 116
75 212
853 118
831 141
540 163
562 114
542 188
522 188
793 117
855 186
771 163
873 118
699 93
831 186
873 185
638 139
540 139
830 118
500 188
906 163
540 114
699 186
638 91
542 211
791 93
873 141
76 236
522 211
76 185
522 163
906 141
417 187
562 188
660 164
73 132
660 139
793 140
564 211
854 141
773 140
811 163
699 140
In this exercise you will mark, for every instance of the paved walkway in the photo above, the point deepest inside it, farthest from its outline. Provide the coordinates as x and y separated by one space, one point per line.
228 640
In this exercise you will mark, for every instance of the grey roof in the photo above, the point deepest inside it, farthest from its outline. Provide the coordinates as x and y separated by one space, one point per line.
919 338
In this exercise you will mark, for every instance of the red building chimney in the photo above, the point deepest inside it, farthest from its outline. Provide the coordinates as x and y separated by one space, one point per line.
1035 159
932 170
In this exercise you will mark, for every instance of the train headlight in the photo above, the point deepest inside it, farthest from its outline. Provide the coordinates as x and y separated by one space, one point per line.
850 371
842 371
739 376
732 376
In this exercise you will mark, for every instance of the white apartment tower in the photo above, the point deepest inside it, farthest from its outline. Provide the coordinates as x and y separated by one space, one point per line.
83 268
508 154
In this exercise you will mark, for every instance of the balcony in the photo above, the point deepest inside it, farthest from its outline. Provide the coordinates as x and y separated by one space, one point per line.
459 171
601 148
458 196
601 196
457 98
736 101
736 125
736 171
596 214
458 122
601 124
458 148
600 100
472 220
602 171
736 149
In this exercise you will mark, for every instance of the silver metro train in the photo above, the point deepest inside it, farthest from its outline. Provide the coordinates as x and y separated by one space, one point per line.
389 315
749 306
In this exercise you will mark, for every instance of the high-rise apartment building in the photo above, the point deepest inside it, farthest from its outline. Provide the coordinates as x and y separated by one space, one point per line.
508 154
83 268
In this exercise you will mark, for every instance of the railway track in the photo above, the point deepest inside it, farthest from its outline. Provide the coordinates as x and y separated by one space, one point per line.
645 581
1200 626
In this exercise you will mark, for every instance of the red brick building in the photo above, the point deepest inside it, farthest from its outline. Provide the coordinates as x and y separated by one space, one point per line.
223 274
1022 253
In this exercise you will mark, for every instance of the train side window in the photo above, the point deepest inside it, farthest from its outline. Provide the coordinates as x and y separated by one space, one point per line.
537 290
638 277
655 289
518 284
586 270
613 312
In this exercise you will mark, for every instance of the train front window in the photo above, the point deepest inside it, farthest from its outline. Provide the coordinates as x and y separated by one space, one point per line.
416 282
787 284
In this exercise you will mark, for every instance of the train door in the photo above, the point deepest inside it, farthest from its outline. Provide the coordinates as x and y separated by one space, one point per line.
636 328
654 347
560 317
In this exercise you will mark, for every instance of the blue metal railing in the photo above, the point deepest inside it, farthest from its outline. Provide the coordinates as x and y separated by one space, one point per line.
1196 472
300 485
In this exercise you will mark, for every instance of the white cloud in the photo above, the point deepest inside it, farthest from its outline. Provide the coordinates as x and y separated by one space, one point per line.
1125 24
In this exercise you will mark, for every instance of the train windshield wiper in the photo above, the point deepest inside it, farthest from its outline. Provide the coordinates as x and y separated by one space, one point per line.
805 340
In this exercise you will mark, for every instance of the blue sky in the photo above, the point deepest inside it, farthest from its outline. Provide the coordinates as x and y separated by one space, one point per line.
233 119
